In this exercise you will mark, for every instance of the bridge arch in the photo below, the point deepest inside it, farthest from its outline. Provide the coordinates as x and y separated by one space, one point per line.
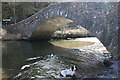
46 29
99 18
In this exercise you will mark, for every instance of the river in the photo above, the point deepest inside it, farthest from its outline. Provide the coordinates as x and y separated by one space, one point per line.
43 59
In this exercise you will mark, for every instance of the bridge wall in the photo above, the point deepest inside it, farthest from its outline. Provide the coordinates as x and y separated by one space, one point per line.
101 19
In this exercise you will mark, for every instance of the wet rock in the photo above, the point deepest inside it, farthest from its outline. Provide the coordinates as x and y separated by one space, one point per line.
108 73
107 55
107 63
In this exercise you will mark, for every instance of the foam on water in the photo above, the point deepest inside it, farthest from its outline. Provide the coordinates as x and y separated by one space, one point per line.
33 58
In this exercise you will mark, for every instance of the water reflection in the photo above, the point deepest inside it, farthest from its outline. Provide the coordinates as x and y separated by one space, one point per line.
15 52
23 59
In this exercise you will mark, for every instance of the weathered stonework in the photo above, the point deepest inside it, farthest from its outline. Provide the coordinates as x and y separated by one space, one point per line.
101 19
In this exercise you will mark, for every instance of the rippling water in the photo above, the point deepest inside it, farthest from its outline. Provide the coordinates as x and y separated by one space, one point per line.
24 59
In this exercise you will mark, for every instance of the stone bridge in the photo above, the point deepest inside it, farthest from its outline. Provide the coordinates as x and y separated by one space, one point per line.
100 18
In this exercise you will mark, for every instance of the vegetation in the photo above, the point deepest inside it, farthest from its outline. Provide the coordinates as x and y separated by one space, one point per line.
17 11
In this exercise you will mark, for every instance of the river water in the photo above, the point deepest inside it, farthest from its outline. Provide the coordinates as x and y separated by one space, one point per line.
40 59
